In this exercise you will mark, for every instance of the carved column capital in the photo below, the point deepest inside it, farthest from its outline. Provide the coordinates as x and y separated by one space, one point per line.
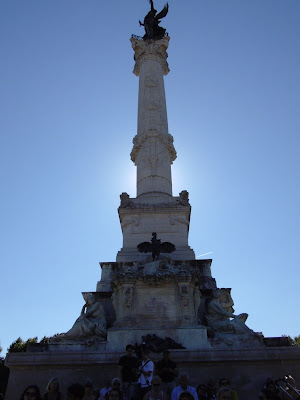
167 140
150 50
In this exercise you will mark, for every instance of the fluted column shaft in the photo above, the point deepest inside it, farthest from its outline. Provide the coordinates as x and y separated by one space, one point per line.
153 151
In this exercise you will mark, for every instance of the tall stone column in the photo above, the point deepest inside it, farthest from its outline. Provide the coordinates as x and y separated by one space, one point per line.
153 151
154 209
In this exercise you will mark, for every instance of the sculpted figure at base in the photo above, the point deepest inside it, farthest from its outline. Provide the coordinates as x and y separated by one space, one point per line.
219 320
92 322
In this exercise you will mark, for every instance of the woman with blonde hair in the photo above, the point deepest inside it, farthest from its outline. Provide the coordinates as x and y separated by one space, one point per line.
52 390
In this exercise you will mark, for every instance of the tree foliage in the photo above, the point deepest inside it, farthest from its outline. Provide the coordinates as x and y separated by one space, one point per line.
295 341
20 346
45 339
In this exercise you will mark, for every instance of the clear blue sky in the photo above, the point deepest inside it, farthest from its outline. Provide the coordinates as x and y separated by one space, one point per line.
68 116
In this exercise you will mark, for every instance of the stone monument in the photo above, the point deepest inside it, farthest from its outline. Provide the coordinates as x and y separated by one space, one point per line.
169 296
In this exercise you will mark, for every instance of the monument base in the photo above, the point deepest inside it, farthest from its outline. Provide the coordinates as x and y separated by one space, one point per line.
190 337
247 369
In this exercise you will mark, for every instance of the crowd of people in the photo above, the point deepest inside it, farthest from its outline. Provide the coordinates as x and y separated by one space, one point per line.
144 380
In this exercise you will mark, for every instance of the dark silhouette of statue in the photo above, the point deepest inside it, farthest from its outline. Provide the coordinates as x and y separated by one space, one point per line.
156 247
151 23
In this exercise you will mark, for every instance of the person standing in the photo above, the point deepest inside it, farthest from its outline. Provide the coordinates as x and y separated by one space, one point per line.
145 373
128 365
166 369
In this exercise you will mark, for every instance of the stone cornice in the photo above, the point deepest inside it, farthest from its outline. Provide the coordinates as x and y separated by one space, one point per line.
167 140
260 356
164 207
162 271
150 50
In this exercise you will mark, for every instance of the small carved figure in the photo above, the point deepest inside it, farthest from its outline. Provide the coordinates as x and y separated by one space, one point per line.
197 301
115 302
92 321
128 295
156 247
151 23
184 298
218 319
184 198
124 197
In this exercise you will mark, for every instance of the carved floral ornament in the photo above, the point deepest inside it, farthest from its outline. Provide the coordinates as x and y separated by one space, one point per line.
150 50
155 273
127 202
167 140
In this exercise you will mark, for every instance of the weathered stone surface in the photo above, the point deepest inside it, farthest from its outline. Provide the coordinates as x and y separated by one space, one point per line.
222 321
90 326
154 209
247 369
153 151
159 294
194 338
170 220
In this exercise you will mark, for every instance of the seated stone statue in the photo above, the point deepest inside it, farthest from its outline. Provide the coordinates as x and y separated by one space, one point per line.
220 320
92 322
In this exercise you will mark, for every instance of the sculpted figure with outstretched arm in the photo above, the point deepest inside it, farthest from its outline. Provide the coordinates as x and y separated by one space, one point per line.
220 320
91 322
151 23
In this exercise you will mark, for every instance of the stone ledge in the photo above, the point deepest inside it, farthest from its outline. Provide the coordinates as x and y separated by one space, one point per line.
247 369
141 208
86 357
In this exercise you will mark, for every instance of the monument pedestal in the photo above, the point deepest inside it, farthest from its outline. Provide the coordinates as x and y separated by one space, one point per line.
247 369
169 219
193 338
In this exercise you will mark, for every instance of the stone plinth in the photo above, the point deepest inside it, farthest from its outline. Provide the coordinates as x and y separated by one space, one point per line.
169 220
194 338
247 369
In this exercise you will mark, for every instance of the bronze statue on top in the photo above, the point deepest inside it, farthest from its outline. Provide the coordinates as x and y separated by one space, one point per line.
151 23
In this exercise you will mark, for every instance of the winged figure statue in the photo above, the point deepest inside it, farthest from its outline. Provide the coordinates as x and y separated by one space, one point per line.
151 23
156 247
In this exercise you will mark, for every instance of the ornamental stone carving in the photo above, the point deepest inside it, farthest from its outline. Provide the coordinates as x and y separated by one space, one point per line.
167 140
151 106
127 297
150 50
125 201
149 82
197 301
222 321
184 198
90 325
157 294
